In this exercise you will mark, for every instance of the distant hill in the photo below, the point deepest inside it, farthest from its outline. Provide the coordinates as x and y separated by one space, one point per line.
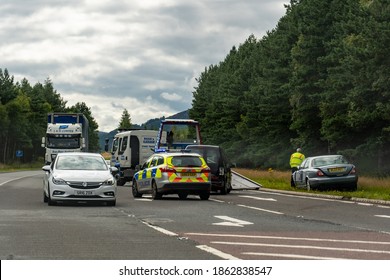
152 124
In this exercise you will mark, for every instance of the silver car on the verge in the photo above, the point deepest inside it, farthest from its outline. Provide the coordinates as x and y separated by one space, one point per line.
79 177
326 172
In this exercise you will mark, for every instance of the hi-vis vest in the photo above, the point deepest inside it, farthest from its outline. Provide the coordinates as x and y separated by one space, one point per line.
296 159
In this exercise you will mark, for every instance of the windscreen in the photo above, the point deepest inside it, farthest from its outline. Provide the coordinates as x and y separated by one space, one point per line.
63 141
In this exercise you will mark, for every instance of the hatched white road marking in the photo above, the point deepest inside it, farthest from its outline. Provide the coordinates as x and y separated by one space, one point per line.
232 222
299 247
260 209
257 198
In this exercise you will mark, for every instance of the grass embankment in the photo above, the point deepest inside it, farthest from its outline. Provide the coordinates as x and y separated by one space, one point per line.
368 187
20 167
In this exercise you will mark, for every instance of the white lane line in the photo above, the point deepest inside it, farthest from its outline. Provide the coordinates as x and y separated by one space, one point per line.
18 178
291 256
229 221
164 231
287 238
383 216
261 209
217 252
217 200
299 247
257 198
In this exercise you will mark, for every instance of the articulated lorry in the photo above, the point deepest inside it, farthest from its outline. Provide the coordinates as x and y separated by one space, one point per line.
66 132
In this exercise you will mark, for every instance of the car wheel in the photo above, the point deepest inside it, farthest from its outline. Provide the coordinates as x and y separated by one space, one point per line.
135 191
50 202
308 186
204 195
224 189
120 182
45 198
229 188
155 194
353 188
183 195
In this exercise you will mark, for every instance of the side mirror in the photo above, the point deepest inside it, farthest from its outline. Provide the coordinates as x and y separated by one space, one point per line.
46 168
106 144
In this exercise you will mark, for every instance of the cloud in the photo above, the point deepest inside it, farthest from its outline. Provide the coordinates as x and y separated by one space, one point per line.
144 55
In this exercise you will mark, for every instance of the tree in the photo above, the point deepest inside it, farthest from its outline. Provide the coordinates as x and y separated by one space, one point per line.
93 137
125 122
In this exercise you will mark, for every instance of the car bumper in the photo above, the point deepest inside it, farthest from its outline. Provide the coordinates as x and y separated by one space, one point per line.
66 193
190 188
333 181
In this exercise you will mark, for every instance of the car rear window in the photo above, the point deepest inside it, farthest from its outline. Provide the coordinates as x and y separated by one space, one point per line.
329 161
210 154
186 161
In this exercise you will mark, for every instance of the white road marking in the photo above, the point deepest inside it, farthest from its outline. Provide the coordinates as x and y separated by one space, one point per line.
162 230
288 238
260 209
382 216
290 256
144 199
18 178
257 198
300 247
232 222
217 200
217 252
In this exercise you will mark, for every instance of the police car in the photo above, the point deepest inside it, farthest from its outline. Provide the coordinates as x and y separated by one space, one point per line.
178 173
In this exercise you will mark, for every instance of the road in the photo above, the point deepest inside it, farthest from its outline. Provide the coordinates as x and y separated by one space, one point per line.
247 224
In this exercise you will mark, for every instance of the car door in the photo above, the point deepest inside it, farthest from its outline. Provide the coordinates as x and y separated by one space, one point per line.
299 174
142 176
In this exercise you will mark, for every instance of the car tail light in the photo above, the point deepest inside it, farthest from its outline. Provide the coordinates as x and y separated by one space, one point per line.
353 171
320 173
205 170
167 169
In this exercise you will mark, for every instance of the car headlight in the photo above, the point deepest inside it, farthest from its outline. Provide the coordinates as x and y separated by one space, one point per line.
58 181
109 182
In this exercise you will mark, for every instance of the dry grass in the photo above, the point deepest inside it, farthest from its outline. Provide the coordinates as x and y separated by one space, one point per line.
368 187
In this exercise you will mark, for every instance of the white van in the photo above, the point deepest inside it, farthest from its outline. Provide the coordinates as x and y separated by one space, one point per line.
129 149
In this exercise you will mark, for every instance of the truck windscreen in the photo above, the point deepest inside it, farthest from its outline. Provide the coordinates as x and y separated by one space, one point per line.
63 141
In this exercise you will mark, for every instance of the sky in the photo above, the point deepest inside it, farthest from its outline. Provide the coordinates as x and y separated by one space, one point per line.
139 55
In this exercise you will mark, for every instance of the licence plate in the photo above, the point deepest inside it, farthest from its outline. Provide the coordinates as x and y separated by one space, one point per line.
83 193
336 169
188 174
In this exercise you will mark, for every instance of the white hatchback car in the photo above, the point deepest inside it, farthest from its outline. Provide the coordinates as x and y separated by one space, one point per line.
79 177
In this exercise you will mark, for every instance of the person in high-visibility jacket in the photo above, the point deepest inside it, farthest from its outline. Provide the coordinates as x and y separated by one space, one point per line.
295 160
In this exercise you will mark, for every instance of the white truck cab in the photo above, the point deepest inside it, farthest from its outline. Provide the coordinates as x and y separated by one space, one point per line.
129 149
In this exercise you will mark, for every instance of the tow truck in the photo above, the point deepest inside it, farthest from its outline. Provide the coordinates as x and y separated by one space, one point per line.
177 134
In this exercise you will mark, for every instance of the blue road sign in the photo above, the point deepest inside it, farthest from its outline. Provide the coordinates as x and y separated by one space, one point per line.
19 153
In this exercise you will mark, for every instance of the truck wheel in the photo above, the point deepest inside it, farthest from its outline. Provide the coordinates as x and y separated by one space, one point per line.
135 191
